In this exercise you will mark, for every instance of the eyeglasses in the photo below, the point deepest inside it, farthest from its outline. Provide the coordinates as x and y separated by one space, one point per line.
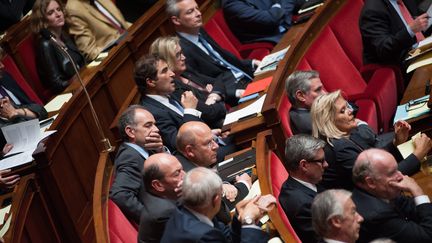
178 55
321 161
415 104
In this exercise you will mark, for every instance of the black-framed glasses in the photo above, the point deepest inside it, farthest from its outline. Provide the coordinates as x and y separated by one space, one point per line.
321 161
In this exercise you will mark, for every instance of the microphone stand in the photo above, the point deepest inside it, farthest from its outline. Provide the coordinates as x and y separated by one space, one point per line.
105 141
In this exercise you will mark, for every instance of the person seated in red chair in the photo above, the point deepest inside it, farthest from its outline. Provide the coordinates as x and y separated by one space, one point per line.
204 56
210 98
305 163
54 67
163 178
96 25
256 21
15 105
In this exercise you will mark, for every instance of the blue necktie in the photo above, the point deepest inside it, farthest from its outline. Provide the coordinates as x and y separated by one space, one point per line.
176 104
238 74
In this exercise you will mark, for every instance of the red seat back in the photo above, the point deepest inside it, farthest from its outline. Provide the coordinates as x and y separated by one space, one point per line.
13 70
278 175
120 229
283 110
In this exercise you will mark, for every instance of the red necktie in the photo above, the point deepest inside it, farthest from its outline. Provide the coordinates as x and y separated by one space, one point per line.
408 18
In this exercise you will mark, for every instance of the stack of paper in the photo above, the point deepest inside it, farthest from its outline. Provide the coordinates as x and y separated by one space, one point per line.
270 62
250 110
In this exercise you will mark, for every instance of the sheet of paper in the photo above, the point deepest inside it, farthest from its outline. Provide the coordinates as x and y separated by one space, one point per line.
3 213
251 109
429 12
420 63
408 147
56 103
16 160
6 226
24 135
270 61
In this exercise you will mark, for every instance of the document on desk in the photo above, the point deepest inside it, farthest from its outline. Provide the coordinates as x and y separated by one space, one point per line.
270 62
56 104
24 136
250 110
16 160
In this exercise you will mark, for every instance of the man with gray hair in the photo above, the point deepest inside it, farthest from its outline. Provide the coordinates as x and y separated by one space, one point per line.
305 163
386 211
140 139
302 88
201 199
334 216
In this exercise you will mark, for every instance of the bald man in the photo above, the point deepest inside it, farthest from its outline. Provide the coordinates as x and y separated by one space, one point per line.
388 213
197 146
163 177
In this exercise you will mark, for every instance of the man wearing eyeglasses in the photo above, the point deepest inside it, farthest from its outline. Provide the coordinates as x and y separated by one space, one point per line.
305 162
198 146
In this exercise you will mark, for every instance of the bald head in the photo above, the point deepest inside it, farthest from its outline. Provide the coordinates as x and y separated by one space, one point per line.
189 132
368 162
162 174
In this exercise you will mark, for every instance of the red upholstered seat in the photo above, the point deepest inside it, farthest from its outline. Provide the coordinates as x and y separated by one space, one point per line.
27 54
283 110
218 29
278 175
13 70
337 71
367 112
120 229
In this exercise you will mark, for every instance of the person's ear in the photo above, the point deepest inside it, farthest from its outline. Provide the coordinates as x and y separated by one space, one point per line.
175 20
150 83
336 222
130 131
370 182
303 165
216 199
300 96
189 151
157 186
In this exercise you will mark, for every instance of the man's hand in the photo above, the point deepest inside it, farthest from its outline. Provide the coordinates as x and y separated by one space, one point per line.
7 110
212 98
188 100
401 129
420 23
244 178
9 181
408 184
230 192
7 148
422 145
178 189
256 63
153 142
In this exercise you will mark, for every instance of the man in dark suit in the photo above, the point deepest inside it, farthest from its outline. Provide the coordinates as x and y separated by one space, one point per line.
255 21
156 83
335 218
305 163
141 138
386 212
194 221
197 146
163 178
386 35
204 57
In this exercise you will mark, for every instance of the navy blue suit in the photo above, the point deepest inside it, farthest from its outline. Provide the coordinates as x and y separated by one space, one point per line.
184 227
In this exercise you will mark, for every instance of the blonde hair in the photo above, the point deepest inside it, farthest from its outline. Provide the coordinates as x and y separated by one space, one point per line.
165 48
323 113
38 15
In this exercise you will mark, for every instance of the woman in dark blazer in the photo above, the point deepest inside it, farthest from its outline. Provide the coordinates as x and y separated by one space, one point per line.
54 67
333 121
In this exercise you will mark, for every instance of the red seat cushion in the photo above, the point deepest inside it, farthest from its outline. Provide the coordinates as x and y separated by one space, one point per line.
283 110
120 229
367 112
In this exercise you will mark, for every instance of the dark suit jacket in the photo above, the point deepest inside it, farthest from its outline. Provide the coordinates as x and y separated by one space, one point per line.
300 121
254 21
342 155
155 214
12 11
296 201
213 115
184 227
167 120
54 68
385 38
128 188
399 220
201 65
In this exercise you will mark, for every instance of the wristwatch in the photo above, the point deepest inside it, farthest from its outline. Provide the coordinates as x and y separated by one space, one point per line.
248 220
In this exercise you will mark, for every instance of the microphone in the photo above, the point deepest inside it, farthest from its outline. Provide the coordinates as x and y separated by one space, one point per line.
47 35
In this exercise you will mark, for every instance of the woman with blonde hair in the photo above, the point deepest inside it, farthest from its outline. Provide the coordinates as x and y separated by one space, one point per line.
334 122
210 101
54 68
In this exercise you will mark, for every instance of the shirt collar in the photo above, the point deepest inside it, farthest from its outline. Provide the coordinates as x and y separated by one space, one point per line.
204 219
332 241
192 38
139 149
307 184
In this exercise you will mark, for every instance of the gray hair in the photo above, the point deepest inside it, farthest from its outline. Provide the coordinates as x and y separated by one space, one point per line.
325 206
299 80
127 118
363 167
200 185
300 147
171 8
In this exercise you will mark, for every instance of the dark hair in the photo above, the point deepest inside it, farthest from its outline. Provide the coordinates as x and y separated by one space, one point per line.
38 15
300 147
127 118
146 68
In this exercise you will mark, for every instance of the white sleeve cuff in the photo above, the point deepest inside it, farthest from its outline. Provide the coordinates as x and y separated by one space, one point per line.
276 5
192 112
421 200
